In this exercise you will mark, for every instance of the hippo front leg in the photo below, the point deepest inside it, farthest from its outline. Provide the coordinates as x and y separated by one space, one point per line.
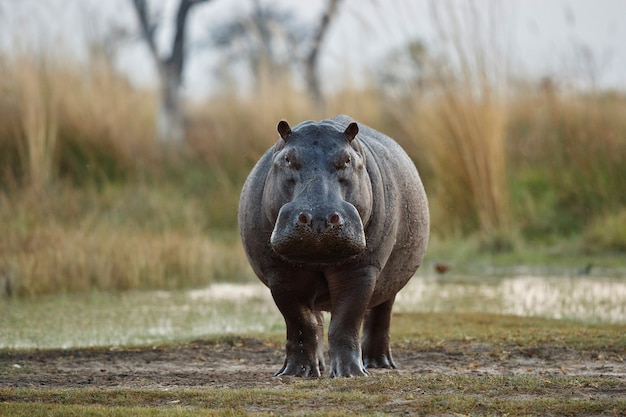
304 346
350 294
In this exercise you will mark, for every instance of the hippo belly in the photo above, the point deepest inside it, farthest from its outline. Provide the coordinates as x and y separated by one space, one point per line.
334 217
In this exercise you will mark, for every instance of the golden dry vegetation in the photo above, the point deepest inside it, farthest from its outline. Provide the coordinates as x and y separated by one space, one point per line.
89 199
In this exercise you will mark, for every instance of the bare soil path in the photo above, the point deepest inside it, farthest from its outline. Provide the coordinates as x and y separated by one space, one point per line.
249 362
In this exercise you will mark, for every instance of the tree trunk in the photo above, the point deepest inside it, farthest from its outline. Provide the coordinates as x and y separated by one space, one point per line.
170 123
170 126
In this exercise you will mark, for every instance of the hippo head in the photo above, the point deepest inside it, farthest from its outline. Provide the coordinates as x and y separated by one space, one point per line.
318 194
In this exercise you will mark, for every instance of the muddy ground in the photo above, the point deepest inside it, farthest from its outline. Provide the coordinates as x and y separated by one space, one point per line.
240 363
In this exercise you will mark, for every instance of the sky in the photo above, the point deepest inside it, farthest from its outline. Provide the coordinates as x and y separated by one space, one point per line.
578 40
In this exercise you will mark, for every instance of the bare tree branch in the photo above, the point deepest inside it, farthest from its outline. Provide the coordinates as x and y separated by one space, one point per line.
312 76
147 28
176 58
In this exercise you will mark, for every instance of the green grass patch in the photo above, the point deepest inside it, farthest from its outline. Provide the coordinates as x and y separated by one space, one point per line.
428 330
439 394
607 233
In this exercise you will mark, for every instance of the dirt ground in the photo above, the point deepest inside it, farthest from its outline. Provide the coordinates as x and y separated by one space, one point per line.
251 363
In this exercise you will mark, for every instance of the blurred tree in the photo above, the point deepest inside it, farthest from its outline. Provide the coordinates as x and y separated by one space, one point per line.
170 68
268 41
409 71
271 42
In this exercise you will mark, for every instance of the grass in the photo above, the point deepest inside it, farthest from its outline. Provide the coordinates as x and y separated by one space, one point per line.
163 316
433 329
420 393
607 233
567 157
157 317
425 395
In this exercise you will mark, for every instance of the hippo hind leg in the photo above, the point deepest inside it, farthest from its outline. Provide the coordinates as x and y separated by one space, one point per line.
375 342
319 317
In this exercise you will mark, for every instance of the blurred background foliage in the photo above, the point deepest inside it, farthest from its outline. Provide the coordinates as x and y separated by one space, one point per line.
92 198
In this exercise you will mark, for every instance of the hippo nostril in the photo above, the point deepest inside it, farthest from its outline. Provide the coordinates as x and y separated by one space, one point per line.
319 224
304 218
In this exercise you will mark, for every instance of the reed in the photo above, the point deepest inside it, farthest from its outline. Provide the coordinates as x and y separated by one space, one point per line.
453 121
36 98
72 120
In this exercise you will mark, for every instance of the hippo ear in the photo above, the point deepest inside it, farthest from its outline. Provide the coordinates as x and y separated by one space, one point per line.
351 131
284 130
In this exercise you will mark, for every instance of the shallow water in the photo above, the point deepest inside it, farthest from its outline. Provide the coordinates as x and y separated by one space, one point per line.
158 316
587 299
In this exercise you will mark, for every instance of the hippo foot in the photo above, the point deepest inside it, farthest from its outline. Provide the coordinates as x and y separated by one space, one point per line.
382 361
348 371
301 368
346 366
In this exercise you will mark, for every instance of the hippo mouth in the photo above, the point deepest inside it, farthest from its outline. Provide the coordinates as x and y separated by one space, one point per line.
307 238
317 249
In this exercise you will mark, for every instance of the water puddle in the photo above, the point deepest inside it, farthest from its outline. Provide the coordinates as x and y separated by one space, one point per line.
158 316
586 299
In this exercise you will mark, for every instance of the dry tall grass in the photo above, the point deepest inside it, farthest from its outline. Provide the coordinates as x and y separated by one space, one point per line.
467 124
467 148
106 211
107 115
51 260
231 131
70 240
72 118
37 102
74 169
452 119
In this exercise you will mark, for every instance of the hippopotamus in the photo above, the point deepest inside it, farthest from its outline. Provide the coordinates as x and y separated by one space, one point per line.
334 218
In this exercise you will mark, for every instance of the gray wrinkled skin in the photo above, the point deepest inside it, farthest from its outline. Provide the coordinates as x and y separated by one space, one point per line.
334 218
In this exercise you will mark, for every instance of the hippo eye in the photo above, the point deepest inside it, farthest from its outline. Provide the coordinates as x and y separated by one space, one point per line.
344 162
291 161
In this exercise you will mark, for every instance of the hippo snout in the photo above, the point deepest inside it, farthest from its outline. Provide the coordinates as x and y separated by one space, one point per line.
318 234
